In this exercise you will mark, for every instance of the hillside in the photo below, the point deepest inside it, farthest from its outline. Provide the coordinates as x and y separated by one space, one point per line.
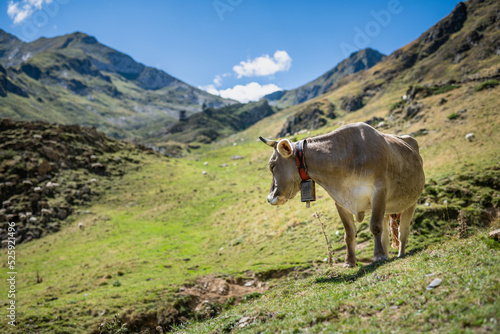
210 125
462 48
74 79
47 172
358 61
191 245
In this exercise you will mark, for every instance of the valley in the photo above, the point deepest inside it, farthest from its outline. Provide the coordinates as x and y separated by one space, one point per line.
166 227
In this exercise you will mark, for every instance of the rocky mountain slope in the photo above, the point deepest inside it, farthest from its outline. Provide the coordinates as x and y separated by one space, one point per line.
212 124
358 61
463 47
47 170
75 79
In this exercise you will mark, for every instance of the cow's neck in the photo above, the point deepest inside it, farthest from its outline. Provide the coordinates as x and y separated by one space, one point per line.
322 159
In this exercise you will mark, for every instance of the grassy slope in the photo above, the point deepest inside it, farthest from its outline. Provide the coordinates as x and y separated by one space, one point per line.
168 211
382 298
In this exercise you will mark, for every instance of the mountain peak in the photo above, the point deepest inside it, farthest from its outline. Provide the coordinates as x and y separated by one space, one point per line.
5 37
80 36
357 61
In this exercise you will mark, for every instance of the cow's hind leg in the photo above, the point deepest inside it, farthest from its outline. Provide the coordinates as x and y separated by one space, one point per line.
349 236
404 228
377 224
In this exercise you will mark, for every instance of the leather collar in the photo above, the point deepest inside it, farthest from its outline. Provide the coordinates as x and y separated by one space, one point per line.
301 160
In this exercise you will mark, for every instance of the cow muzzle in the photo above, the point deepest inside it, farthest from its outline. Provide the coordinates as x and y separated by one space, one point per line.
276 200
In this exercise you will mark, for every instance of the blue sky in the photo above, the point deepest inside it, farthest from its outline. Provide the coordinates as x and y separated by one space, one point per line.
235 48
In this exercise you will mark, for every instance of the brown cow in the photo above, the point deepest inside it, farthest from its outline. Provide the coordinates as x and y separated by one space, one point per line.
361 169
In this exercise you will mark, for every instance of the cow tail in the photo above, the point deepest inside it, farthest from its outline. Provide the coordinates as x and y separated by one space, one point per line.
395 230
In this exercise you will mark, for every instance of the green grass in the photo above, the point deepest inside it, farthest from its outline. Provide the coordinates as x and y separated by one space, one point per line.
382 298
131 257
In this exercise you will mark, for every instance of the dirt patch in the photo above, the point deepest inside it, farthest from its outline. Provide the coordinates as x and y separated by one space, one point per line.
211 291
206 298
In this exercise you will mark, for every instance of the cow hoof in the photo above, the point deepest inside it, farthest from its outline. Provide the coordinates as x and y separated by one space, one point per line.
378 258
349 265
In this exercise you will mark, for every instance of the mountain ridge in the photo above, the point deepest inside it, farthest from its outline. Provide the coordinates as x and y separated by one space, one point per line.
75 79
357 61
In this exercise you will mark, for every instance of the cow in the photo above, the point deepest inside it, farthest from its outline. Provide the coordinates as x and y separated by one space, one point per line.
361 169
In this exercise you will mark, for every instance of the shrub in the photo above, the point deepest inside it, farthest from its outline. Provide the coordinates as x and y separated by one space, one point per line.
396 105
453 116
486 85
444 89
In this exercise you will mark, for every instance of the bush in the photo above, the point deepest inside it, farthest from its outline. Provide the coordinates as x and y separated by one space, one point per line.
486 85
444 89
453 116
396 105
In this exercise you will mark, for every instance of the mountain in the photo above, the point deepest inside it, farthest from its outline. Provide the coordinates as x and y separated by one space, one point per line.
463 47
212 124
357 61
75 79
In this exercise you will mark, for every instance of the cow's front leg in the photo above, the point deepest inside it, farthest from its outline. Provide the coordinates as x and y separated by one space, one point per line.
377 225
349 236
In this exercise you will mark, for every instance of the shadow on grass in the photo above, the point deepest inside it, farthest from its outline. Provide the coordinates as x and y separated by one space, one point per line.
363 270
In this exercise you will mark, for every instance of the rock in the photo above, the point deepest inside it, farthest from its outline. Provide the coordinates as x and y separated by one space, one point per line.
312 116
27 182
49 153
495 235
245 321
351 103
52 185
374 120
442 101
62 214
470 137
44 168
46 212
434 284
413 109
98 168
236 157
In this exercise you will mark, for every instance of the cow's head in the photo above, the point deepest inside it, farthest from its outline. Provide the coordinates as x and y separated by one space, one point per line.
286 179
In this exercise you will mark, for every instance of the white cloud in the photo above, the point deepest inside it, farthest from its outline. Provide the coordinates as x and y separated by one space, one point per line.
209 89
21 10
250 92
218 81
264 65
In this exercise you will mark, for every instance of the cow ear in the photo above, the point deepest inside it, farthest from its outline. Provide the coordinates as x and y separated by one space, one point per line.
285 148
269 142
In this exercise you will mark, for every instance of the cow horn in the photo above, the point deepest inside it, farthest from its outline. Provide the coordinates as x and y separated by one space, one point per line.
269 142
